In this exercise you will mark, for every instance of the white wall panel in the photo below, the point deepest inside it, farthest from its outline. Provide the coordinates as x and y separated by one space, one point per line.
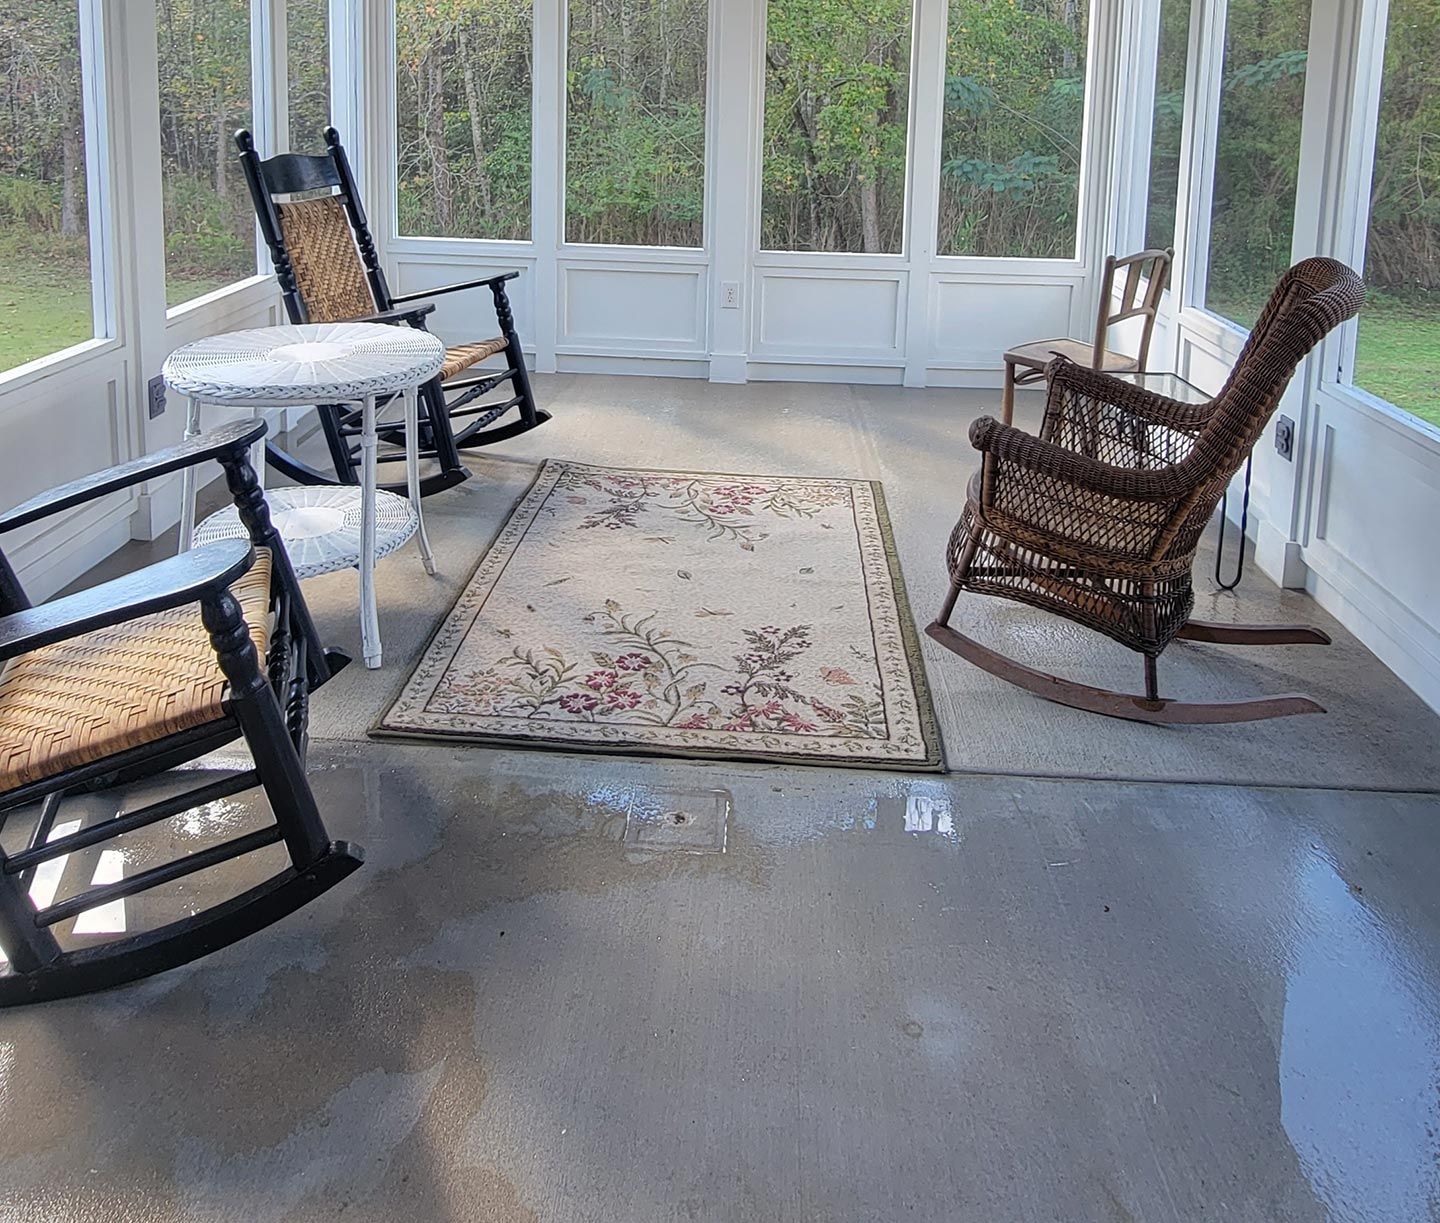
834 314
974 320
630 306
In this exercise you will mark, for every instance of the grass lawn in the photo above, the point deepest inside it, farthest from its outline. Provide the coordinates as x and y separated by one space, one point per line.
45 304
1397 357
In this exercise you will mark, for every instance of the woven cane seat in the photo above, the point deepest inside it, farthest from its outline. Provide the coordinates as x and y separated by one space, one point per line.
79 701
1039 353
463 356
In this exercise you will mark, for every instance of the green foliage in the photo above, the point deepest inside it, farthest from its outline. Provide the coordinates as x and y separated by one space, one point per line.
1014 108
204 50
463 110
836 102
635 136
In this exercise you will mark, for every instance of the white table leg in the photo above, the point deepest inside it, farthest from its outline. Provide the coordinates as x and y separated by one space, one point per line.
369 617
187 479
257 456
412 475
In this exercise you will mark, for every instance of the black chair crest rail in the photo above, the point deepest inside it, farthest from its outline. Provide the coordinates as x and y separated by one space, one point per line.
329 271
129 679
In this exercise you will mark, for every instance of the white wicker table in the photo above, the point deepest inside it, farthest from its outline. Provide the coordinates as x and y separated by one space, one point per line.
326 528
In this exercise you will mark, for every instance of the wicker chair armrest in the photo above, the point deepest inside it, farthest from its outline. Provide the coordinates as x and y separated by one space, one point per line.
1011 446
170 583
413 317
219 443
1065 377
487 281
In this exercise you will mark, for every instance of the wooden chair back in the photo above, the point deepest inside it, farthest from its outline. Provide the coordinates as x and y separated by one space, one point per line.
320 245
1150 267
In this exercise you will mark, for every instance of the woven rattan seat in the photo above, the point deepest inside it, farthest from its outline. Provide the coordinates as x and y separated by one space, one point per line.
83 700
462 356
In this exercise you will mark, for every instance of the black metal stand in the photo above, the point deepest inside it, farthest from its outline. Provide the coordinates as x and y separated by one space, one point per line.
1244 522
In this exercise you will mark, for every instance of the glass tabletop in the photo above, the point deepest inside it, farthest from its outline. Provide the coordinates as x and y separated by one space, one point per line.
1172 386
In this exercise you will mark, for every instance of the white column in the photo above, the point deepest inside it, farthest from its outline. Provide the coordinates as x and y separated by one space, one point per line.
547 174
736 99
927 116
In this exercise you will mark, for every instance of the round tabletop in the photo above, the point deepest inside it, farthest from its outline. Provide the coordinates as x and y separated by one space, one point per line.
305 363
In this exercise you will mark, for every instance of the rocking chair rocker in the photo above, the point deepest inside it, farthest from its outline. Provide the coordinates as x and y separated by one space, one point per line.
329 272
129 679
1098 518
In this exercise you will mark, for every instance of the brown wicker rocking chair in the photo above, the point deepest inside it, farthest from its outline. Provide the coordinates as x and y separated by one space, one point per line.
1098 518
329 272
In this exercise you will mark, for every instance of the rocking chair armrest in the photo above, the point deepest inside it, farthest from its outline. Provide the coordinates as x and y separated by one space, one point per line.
1063 375
228 439
414 317
1006 445
170 583
487 281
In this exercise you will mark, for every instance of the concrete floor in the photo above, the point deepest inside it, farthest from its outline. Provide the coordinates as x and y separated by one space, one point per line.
838 996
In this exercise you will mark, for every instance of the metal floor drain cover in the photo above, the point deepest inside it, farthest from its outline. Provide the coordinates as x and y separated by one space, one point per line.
695 821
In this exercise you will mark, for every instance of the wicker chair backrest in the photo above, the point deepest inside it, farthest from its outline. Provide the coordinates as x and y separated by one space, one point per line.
1311 299
328 272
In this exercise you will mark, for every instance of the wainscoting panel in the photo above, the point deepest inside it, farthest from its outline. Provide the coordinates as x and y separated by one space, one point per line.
631 307
826 315
973 321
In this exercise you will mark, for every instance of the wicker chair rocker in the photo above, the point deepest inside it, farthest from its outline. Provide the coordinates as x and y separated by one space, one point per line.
1098 518
329 272
129 679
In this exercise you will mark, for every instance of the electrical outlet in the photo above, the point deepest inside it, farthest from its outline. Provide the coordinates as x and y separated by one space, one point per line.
1285 437
730 295
157 396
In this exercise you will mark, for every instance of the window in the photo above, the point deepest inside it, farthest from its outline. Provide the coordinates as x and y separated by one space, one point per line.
463 118
635 128
837 84
307 59
1397 353
1165 130
204 97
46 304
1014 111
1257 154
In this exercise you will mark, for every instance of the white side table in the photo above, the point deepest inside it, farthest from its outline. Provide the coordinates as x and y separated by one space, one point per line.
326 528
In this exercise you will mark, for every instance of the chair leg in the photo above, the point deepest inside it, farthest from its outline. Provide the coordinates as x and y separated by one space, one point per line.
277 763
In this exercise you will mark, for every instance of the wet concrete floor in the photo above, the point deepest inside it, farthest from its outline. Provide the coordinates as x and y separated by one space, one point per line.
580 989
939 998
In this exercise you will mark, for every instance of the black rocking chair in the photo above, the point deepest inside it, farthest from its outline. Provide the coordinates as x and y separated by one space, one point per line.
129 679
329 272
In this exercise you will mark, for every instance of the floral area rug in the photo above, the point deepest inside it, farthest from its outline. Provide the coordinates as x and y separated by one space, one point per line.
683 613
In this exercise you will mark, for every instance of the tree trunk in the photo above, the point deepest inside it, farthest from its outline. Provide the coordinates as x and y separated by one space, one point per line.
870 213
222 153
72 153
432 138
477 127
